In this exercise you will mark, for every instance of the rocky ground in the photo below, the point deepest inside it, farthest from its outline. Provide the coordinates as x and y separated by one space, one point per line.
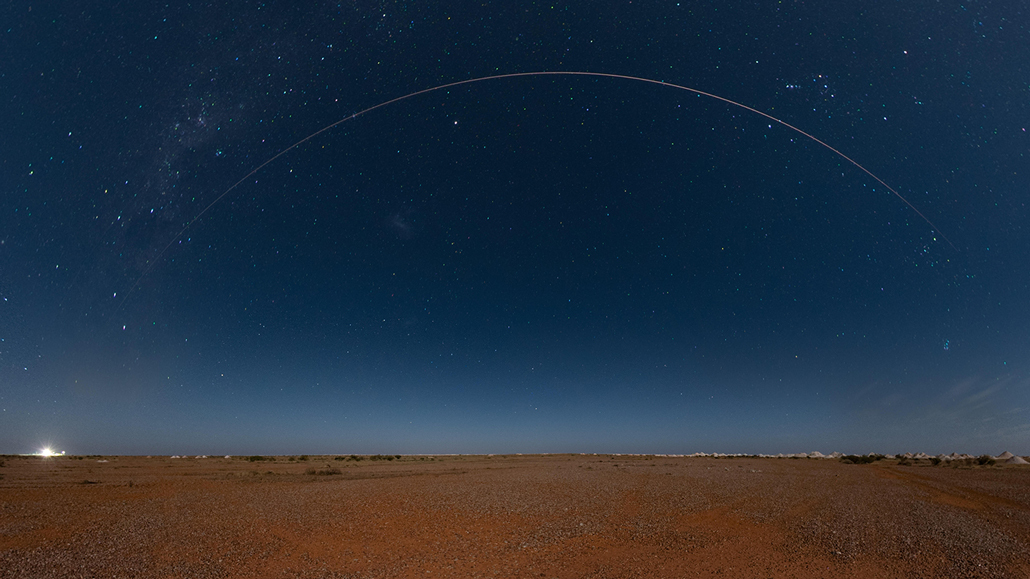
510 516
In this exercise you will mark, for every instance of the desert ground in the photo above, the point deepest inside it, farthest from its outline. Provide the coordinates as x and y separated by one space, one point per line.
509 516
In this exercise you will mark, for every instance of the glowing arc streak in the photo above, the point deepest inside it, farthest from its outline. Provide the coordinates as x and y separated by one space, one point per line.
529 74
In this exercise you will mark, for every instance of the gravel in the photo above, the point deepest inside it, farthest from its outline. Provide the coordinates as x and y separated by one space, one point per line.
510 516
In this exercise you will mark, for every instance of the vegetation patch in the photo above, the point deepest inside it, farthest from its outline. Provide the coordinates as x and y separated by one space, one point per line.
373 457
861 458
327 471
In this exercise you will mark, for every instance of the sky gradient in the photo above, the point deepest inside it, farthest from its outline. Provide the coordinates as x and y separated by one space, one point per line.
533 264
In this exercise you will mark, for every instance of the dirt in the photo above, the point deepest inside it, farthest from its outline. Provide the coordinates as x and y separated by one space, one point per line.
509 516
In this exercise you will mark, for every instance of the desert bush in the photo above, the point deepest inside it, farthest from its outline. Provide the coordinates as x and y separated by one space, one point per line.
340 458
861 459
302 457
985 460
904 462
259 458
934 460
323 471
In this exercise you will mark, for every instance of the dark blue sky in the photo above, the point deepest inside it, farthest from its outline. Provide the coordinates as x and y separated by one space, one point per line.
536 264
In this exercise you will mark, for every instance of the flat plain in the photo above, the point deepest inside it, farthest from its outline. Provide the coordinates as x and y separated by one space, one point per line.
509 516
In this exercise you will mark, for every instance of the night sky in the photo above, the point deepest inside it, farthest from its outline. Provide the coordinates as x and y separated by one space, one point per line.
531 264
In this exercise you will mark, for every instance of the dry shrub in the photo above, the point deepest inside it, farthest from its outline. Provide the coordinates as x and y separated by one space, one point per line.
328 470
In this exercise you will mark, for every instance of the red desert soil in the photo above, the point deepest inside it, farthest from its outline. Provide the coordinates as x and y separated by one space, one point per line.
510 516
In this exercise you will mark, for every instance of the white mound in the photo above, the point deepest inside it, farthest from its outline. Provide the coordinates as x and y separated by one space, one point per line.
1016 460
1004 456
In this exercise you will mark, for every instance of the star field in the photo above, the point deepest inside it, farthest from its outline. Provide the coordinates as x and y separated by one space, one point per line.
532 264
